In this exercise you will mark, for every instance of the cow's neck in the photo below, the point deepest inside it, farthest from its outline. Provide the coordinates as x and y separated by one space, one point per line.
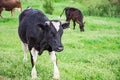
43 45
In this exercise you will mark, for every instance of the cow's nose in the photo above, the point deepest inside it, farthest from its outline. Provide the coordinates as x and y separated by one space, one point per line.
59 49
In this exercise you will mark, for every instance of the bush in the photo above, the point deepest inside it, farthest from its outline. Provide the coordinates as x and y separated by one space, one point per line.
48 6
103 8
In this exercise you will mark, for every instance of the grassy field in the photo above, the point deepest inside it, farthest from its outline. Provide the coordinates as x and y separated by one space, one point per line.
90 55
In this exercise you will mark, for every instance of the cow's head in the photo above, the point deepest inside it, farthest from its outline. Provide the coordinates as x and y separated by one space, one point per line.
53 32
82 26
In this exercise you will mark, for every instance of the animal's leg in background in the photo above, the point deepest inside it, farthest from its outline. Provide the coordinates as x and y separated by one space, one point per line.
1 16
34 54
1 9
19 9
74 24
25 48
68 20
12 12
81 25
54 60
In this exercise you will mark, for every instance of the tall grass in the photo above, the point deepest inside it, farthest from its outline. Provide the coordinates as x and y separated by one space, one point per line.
91 55
109 8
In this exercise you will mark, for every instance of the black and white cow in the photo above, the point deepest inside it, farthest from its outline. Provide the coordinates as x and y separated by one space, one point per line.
38 34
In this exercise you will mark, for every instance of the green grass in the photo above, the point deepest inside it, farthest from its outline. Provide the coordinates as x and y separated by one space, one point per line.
90 55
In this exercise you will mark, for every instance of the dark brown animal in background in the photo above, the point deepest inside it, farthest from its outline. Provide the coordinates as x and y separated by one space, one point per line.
10 5
75 15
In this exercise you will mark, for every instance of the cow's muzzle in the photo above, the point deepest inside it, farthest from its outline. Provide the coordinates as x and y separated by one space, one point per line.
59 49
82 30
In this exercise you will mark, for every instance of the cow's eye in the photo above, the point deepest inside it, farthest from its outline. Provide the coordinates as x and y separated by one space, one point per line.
53 34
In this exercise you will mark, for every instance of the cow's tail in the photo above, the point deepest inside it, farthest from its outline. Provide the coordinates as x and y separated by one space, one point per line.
62 12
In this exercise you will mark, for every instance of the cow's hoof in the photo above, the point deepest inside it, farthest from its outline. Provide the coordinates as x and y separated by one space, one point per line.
34 74
25 59
34 77
56 77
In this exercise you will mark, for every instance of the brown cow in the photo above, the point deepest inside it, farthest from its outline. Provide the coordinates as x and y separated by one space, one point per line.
75 15
10 5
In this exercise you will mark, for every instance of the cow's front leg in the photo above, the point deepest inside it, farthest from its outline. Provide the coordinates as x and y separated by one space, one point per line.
34 54
56 71
12 12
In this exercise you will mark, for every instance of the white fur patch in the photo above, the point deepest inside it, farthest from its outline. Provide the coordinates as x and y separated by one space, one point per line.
56 71
47 22
34 73
34 53
19 9
29 8
56 25
4 9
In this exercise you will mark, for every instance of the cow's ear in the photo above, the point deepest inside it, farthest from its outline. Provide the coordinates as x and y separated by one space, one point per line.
47 23
65 25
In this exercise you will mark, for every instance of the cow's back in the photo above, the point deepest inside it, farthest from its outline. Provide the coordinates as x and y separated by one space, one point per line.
77 15
28 21
74 14
32 16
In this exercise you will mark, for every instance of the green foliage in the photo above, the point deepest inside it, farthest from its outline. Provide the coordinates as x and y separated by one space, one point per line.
109 8
103 8
48 6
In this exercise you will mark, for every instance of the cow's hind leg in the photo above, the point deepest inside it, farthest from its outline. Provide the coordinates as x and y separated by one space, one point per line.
1 16
25 48
74 24
68 20
12 12
56 71
1 9
34 54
